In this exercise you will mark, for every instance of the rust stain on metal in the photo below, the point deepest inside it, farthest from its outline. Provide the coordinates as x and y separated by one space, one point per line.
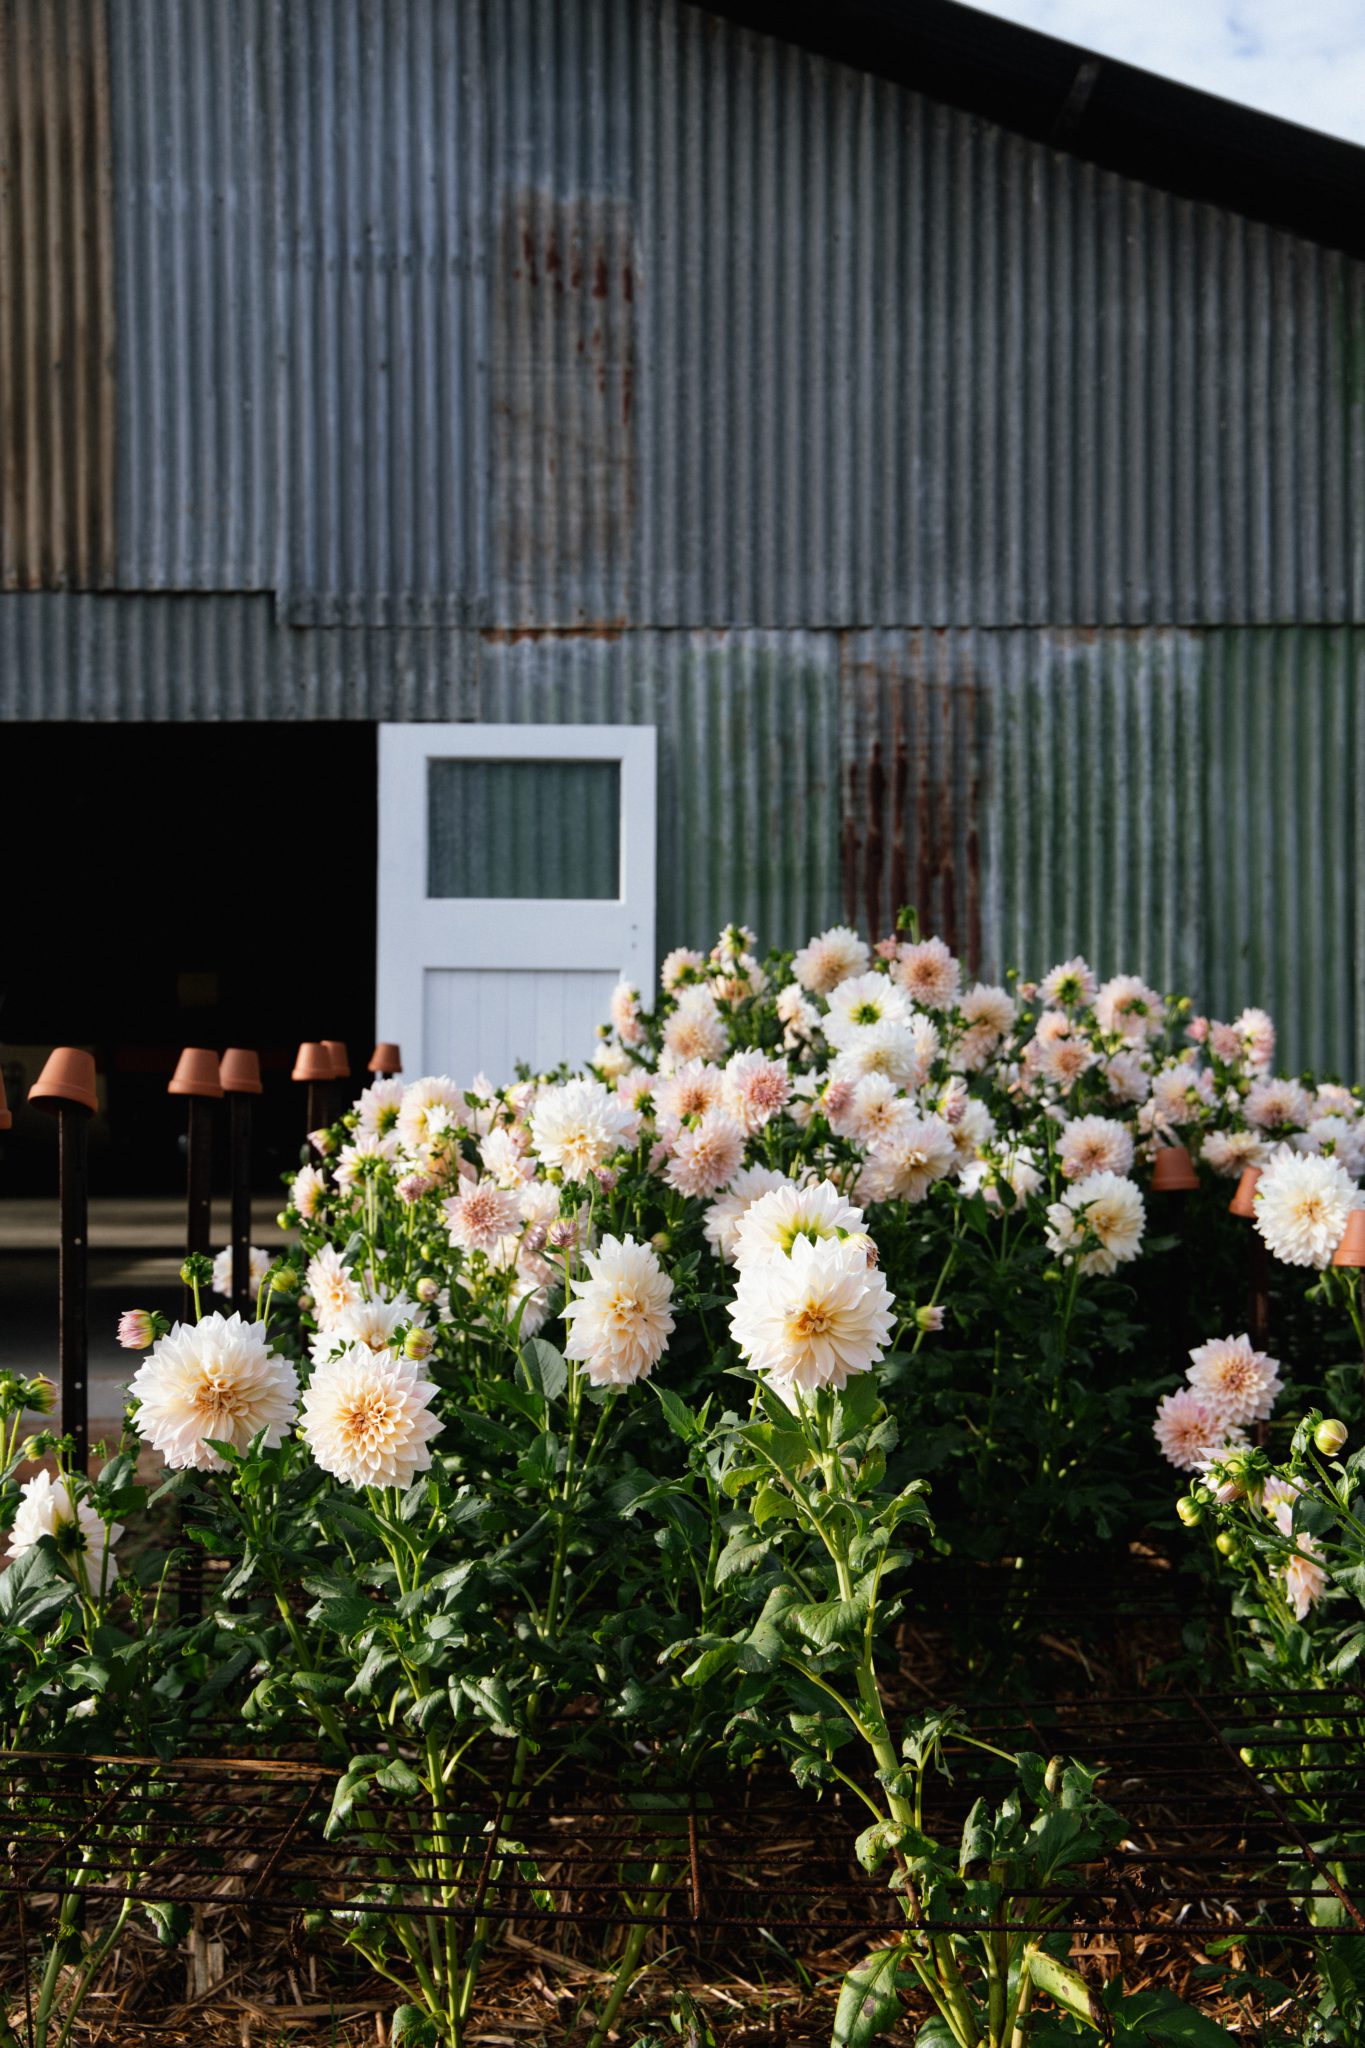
915 726
508 636
57 331
565 286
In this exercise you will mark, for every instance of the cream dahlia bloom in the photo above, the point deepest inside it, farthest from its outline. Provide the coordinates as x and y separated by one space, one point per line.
778 1221
1094 1144
755 1088
722 1219
1126 1005
1127 1078
215 1378
503 1153
1275 1105
1235 1382
904 1052
831 957
688 1090
1069 986
86 1544
696 1029
814 1318
1256 1031
367 1418
307 1190
682 962
625 1013
1106 1207
480 1214
1302 1202
429 1111
332 1286
620 1314
375 1324
929 974
1188 1430
377 1109
258 1264
1340 1137
1064 1060
1229 1152
579 1127
706 1155
904 1164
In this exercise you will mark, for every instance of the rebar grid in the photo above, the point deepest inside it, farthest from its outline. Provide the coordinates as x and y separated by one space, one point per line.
1215 1846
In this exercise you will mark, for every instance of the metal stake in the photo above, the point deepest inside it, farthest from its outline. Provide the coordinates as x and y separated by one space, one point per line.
198 1187
239 1169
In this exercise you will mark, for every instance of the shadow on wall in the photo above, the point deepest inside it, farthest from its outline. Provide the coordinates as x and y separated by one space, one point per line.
171 885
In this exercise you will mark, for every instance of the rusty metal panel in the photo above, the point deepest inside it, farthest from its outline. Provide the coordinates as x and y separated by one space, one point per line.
194 96
57 327
748 752
381 312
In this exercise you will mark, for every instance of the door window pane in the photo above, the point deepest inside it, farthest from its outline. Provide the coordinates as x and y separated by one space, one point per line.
546 829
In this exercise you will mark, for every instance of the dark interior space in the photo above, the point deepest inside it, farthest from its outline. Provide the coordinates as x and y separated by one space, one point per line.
173 885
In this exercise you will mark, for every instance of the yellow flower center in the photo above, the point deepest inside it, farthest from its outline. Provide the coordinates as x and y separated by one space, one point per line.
367 1417
812 1321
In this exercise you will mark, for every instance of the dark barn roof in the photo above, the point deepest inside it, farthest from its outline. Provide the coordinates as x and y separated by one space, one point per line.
1187 142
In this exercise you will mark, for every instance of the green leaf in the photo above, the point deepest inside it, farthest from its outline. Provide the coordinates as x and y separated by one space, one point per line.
823 1622
411 2028
170 1923
869 2000
1160 2017
544 1370
772 1505
399 1777
677 1414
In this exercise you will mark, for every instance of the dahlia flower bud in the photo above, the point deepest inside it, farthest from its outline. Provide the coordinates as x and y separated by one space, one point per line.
321 1141
662 1240
284 1280
929 1318
427 1289
307 1303
1190 1511
137 1329
413 1186
1329 1436
1226 1544
418 1344
607 1178
287 1218
39 1394
197 1270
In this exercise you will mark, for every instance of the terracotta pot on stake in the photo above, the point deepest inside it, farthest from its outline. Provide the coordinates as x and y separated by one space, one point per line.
1350 1257
1173 1175
313 1065
66 1089
239 1076
196 1078
386 1060
1243 1204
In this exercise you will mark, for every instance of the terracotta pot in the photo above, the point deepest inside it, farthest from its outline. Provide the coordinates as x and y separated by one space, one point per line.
386 1059
312 1063
1174 1171
196 1073
1243 1202
5 1118
68 1076
239 1072
340 1058
1351 1250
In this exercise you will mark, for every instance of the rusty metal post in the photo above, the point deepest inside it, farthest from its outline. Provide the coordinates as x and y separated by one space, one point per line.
66 1090
73 1337
239 1073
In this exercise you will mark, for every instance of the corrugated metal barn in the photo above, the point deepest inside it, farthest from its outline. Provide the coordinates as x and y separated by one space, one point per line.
970 495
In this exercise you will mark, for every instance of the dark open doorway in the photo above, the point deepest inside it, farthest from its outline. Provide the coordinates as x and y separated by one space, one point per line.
172 885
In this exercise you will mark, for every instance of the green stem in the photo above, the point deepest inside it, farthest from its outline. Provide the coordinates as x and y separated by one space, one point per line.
630 1959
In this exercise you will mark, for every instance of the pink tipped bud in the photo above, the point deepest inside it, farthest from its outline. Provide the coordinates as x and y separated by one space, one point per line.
607 1178
1230 1490
929 1319
427 1288
887 949
1329 1436
321 1141
418 1343
1198 1030
413 1186
136 1330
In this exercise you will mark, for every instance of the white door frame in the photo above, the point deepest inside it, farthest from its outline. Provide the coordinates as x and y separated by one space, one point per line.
418 932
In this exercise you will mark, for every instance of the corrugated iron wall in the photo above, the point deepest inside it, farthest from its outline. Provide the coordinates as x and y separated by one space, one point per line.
977 527
56 298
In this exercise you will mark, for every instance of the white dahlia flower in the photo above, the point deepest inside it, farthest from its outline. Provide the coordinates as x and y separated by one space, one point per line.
722 1219
215 1378
1230 1152
1339 1137
814 1318
1104 1206
503 1153
307 1190
1237 1383
428 1112
1256 1032
904 1052
86 1544
861 1002
1277 1105
929 974
688 1090
705 1155
831 957
1064 1060
778 1221
374 1324
579 1126
1302 1202
258 1263
1069 986
620 1314
681 963
1127 1078
625 1013
1094 1144
377 1109
367 1418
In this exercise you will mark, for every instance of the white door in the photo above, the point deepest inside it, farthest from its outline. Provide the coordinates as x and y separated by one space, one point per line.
516 887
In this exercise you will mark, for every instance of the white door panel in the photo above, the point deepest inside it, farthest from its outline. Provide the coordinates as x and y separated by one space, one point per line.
485 960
